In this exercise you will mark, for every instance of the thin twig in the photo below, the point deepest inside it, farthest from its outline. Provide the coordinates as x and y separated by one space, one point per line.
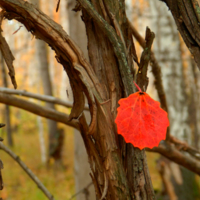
17 30
81 191
46 98
28 171
142 79
58 4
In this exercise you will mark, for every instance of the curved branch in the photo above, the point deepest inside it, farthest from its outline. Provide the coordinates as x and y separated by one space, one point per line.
38 110
45 98
67 53
28 171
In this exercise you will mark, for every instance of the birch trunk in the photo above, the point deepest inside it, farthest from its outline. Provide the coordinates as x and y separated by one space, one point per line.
176 79
41 54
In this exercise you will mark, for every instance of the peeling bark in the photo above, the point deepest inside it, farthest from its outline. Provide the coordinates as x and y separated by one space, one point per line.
118 171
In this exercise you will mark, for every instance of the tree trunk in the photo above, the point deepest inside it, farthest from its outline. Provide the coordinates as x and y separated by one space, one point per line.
105 65
54 134
119 171
180 103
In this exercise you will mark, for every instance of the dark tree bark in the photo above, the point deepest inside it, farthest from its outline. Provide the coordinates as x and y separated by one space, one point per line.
116 174
119 171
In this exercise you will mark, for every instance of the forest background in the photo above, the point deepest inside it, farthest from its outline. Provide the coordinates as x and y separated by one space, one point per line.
30 134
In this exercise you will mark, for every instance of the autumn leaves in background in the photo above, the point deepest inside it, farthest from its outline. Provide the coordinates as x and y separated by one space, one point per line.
141 121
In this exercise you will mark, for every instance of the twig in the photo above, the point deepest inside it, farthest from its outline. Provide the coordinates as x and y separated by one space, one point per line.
81 191
156 70
58 4
17 30
46 98
28 171
142 79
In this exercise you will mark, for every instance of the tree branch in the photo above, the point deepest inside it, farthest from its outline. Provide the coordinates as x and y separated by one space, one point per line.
156 70
181 145
38 110
28 171
169 151
46 98
82 77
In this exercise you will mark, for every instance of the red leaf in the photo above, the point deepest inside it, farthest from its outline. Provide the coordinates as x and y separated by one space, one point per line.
141 121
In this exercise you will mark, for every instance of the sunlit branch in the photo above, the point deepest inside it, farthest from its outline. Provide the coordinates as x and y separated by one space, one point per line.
38 110
45 98
28 171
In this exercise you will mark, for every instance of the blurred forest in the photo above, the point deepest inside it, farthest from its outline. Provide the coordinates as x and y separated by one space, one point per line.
54 151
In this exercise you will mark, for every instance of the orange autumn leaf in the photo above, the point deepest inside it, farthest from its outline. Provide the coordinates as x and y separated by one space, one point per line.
141 121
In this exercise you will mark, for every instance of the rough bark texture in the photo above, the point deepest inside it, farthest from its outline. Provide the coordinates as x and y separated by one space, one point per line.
117 173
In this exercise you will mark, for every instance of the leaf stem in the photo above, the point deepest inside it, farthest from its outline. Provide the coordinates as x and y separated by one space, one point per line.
137 86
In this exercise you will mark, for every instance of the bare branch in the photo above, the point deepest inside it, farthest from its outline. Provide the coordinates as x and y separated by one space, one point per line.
169 151
38 110
67 53
156 70
58 4
182 145
28 171
46 98
142 79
